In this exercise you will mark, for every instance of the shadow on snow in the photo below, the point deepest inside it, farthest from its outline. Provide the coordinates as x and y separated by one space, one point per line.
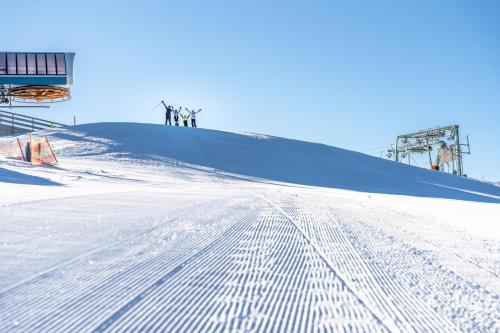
14 177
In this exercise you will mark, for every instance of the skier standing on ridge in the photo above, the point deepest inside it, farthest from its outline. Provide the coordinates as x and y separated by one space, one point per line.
185 118
193 116
168 114
176 115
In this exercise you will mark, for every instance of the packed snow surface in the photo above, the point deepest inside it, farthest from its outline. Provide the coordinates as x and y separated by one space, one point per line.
147 228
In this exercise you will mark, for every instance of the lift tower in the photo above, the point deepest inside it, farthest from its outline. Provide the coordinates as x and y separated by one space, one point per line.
446 140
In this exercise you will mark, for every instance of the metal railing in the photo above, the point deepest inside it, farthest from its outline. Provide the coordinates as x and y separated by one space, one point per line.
18 122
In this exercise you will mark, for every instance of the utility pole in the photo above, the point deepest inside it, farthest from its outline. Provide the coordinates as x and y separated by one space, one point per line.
397 152
459 151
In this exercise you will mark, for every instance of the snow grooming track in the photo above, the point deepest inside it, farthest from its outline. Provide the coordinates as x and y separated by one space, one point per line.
325 259
455 249
85 291
262 275
422 274
403 283
149 290
50 270
95 221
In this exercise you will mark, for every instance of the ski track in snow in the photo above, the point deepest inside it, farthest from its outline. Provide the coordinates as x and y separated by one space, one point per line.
388 272
227 265
134 245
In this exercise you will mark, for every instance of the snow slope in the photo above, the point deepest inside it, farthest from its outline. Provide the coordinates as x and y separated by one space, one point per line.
143 228
277 159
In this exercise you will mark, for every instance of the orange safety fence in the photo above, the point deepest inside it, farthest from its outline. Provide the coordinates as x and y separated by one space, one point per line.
41 151
13 149
36 150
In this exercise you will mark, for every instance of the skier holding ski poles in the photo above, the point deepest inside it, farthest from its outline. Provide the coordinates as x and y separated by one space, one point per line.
168 114
185 118
192 113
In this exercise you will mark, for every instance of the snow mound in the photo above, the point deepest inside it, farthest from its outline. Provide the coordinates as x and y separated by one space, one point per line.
265 157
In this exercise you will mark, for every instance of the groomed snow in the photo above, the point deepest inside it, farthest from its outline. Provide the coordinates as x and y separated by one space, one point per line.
147 228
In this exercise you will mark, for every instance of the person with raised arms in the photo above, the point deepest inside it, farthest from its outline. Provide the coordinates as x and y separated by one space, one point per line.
185 118
192 113
176 115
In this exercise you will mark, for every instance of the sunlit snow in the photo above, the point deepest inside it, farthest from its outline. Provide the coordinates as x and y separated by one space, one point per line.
148 228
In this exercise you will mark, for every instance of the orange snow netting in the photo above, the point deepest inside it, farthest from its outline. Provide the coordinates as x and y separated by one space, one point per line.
41 152
36 150
13 149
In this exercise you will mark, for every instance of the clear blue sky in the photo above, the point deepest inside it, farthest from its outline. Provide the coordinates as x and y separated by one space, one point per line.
352 74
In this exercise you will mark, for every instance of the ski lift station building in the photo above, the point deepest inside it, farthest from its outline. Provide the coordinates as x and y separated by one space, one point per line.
35 76
32 77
